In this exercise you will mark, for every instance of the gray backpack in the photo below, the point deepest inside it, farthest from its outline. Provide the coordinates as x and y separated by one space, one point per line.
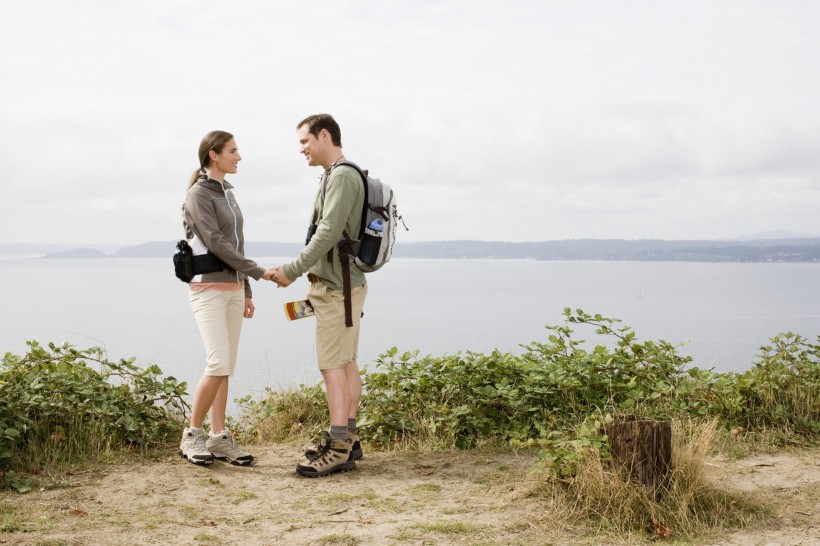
373 246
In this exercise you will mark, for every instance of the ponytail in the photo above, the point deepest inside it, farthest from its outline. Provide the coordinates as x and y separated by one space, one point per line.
199 173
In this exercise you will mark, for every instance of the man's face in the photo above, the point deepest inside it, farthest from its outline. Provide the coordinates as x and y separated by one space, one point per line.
314 149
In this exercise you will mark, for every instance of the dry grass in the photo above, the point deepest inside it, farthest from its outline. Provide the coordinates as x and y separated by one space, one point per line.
291 415
597 498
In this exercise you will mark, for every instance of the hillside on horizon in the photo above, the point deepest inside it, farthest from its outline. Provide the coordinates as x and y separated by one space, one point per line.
795 249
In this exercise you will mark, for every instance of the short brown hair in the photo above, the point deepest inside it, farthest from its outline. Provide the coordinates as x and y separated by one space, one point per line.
317 122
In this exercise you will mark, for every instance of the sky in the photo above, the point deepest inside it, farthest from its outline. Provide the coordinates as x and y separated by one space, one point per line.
494 120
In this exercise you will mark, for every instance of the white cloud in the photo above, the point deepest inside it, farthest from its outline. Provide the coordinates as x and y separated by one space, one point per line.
506 121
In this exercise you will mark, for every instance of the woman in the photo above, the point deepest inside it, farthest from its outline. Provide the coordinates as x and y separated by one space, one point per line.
220 298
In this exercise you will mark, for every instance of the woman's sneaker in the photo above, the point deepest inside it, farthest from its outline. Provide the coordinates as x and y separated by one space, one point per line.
332 457
356 452
192 447
223 447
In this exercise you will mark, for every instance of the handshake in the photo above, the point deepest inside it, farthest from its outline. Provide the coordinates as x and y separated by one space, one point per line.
277 275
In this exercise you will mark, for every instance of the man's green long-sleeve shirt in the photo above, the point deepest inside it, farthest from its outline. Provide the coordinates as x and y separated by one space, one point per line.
340 210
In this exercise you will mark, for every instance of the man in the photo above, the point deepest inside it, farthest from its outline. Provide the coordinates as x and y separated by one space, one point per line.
336 210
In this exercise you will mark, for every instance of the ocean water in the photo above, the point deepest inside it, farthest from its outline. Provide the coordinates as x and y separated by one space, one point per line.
720 313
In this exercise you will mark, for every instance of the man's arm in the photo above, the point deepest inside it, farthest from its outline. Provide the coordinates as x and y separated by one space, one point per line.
343 189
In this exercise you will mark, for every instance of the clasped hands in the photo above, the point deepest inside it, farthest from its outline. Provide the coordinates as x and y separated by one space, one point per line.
277 275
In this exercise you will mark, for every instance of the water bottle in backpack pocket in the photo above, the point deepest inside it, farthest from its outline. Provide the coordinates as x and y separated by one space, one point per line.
371 242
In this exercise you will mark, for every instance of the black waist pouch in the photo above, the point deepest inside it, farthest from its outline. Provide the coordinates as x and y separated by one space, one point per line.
186 265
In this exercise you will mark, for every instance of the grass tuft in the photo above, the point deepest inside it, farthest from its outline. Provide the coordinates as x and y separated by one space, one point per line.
9 523
290 415
448 527
345 540
691 505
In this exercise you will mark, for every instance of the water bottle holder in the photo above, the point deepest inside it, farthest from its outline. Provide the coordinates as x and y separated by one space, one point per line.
369 247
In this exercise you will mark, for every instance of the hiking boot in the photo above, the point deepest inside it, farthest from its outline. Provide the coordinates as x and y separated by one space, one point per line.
331 457
192 447
224 448
355 451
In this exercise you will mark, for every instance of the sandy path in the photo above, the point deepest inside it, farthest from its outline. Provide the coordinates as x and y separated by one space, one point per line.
444 498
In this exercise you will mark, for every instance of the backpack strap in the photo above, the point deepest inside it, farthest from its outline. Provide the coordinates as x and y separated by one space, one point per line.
345 259
345 245
345 254
363 175
316 217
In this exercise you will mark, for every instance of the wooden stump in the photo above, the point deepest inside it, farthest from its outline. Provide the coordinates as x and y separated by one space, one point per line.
642 451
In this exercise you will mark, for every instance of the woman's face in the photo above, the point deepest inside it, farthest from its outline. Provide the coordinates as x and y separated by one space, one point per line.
226 161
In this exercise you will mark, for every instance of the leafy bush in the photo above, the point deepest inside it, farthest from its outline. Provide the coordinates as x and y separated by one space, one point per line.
452 400
781 390
460 400
549 395
631 375
55 408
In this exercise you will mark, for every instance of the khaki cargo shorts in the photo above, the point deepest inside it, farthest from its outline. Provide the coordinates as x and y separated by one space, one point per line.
336 344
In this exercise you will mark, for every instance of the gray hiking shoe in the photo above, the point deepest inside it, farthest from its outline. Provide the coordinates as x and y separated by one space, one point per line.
355 450
192 447
332 457
224 448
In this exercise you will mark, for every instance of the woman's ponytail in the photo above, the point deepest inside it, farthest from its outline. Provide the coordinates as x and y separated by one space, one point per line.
195 177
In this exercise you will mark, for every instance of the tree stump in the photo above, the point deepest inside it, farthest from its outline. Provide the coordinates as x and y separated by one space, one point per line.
642 451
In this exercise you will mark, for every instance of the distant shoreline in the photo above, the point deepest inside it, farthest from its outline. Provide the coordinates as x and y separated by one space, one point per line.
791 250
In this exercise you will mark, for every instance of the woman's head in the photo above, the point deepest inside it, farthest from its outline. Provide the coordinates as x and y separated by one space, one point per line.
214 141
218 154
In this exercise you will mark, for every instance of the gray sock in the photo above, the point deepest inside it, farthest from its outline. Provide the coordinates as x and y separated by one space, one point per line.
338 433
351 425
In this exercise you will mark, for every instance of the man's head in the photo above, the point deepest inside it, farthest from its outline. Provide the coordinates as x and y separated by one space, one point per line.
320 139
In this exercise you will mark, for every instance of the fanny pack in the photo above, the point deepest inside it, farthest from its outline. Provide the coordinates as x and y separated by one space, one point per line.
186 265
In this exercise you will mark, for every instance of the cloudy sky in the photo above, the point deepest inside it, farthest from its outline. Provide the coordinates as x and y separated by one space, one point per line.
513 120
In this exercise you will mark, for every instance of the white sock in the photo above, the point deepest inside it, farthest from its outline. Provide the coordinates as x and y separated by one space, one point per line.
214 434
195 429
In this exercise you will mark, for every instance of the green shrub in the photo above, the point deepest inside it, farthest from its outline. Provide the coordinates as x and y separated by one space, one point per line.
782 389
631 375
451 400
55 408
460 400
549 395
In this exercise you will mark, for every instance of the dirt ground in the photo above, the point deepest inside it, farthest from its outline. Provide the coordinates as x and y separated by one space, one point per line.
392 498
